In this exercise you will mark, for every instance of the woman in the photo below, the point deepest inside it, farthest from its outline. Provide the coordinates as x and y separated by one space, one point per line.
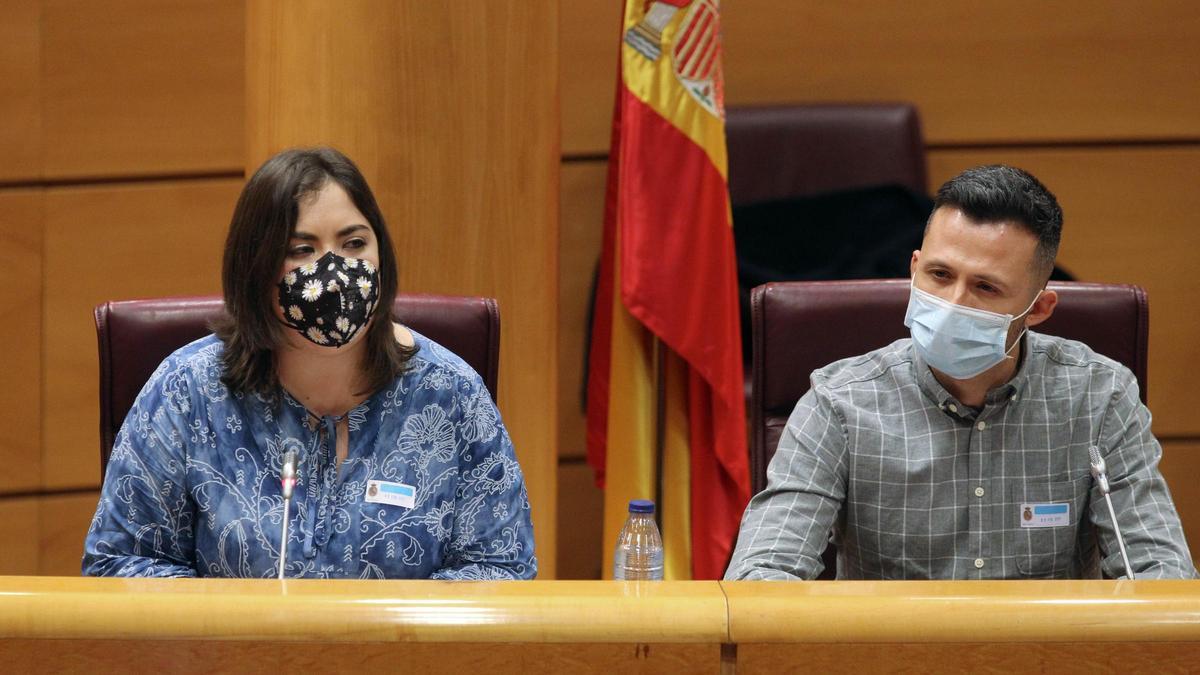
404 468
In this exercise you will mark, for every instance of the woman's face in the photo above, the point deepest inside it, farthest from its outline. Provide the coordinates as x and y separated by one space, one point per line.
328 221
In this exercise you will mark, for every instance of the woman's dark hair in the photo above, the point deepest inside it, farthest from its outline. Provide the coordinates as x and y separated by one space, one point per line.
255 249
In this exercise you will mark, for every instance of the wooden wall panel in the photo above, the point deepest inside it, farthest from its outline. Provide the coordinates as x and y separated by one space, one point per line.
580 502
113 243
588 72
580 522
19 532
20 90
1129 217
20 339
450 109
64 522
44 534
1180 466
137 87
979 71
581 223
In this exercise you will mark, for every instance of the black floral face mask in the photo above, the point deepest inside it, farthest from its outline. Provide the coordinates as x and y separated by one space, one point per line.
330 300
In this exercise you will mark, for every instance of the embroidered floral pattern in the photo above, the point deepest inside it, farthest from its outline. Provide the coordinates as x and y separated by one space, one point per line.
479 418
429 435
193 482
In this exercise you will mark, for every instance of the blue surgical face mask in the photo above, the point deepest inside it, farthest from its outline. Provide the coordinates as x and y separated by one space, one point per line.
961 342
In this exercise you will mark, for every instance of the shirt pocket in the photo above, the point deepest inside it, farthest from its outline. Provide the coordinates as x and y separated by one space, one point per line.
1047 552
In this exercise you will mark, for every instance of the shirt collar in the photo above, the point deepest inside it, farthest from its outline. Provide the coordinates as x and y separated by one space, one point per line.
1009 391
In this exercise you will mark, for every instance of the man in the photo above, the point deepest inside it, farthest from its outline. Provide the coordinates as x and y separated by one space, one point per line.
963 452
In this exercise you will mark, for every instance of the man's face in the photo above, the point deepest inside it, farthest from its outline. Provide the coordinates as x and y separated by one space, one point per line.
989 266
985 266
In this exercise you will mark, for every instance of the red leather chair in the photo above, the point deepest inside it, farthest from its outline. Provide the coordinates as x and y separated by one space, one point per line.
788 151
784 151
799 327
136 335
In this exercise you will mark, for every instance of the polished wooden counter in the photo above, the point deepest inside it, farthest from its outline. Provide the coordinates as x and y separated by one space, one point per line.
964 611
965 626
52 624
73 624
363 611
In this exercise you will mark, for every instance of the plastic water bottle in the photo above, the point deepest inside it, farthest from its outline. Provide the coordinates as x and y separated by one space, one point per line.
639 553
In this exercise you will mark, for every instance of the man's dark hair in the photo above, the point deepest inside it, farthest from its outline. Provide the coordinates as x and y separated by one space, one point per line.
997 193
255 250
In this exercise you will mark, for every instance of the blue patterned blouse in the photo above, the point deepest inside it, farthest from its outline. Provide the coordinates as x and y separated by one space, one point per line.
193 485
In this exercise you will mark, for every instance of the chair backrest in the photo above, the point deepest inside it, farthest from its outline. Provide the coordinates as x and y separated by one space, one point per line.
136 335
785 151
799 327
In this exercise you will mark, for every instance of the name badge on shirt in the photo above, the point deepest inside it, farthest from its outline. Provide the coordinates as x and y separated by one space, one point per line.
1045 515
396 494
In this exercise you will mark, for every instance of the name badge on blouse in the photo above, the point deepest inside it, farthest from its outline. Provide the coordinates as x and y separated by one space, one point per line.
1045 515
395 494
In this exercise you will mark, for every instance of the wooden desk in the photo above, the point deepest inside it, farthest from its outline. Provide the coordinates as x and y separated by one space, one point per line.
52 624
965 626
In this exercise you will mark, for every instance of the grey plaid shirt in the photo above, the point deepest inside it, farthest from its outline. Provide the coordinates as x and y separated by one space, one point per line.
914 485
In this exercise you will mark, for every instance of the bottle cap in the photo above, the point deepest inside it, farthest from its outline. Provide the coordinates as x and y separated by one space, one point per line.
641 506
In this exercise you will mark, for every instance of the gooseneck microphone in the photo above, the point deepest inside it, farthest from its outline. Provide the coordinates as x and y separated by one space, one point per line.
1100 473
287 486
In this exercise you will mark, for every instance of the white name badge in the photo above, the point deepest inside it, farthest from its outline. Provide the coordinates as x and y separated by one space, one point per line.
1045 515
395 494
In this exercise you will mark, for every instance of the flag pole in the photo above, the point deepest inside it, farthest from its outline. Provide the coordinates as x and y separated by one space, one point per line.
660 431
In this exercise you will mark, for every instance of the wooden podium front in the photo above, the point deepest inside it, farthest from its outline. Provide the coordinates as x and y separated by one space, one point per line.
50 624
54 624
965 626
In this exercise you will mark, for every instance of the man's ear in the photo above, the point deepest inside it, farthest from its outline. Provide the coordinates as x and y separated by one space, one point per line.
912 264
1043 307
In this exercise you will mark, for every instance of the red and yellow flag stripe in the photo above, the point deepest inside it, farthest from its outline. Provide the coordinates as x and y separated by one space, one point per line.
667 297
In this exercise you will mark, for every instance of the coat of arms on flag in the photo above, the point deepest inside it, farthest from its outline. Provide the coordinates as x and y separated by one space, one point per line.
697 52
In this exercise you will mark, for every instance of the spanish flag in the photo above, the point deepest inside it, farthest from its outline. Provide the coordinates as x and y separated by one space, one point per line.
666 411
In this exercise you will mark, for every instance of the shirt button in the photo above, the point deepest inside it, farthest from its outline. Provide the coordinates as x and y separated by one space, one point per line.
981 426
978 563
978 492
953 408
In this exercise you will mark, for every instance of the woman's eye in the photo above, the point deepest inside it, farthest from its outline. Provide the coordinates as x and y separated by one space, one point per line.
355 243
299 251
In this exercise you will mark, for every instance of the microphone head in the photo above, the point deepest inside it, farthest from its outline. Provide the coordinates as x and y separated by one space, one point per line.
287 474
1098 465
289 464
1099 469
